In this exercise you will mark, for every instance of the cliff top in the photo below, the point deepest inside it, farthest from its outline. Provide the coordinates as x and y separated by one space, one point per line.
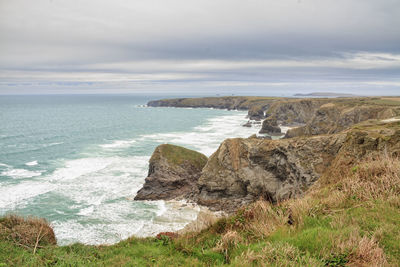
176 155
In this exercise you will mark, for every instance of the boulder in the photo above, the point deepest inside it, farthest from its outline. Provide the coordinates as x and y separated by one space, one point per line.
247 124
173 173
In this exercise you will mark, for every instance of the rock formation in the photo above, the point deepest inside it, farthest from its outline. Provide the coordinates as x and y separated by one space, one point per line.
335 117
173 172
270 127
244 170
294 111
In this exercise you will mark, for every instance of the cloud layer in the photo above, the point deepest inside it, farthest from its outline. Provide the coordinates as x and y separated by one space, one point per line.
53 46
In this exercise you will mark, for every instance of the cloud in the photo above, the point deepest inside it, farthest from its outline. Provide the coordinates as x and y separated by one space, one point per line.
188 41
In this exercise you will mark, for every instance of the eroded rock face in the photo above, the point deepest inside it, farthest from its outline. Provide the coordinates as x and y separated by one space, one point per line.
331 118
244 170
173 173
294 112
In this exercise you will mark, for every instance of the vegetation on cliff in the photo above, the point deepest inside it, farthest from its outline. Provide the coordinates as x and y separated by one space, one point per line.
177 155
350 216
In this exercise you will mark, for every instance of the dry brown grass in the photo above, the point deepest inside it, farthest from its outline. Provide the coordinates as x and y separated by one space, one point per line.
31 232
275 255
368 253
372 179
262 218
229 241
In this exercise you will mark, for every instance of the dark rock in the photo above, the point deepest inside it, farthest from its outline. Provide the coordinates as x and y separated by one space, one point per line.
270 127
247 124
256 112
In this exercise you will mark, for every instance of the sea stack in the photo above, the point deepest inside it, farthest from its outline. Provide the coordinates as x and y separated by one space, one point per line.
173 173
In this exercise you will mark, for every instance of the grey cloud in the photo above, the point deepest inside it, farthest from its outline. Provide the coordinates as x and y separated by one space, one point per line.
125 40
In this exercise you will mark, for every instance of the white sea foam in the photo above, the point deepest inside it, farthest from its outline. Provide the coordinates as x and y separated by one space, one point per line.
17 194
53 144
20 173
206 138
31 163
101 179
123 219
119 144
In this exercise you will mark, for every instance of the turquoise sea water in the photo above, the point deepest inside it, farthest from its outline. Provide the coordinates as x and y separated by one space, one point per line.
78 161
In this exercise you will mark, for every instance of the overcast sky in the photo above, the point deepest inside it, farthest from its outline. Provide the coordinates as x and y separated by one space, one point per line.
261 47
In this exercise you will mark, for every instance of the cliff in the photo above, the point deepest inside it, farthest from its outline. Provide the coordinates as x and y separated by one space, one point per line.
311 116
225 102
335 117
244 170
173 173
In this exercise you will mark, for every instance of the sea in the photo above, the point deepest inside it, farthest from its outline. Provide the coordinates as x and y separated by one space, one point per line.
78 161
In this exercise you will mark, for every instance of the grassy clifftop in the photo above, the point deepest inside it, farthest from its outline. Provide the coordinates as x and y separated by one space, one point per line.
177 155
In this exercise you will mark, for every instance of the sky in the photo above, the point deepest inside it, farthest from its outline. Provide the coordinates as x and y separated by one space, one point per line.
205 47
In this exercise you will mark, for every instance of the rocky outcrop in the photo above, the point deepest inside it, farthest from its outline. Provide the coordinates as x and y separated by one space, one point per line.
256 112
333 118
244 170
173 173
270 127
294 112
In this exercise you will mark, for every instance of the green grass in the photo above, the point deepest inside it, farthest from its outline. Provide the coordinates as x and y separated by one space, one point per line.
177 155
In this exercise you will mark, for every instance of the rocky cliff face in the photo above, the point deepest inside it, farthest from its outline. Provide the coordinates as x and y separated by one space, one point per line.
173 173
255 105
243 170
294 112
333 118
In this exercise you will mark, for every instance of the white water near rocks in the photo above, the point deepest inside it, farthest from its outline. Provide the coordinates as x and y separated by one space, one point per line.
79 161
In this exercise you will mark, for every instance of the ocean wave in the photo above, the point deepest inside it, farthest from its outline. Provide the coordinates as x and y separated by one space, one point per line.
123 219
118 144
101 179
207 137
17 194
52 144
31 163
20 173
